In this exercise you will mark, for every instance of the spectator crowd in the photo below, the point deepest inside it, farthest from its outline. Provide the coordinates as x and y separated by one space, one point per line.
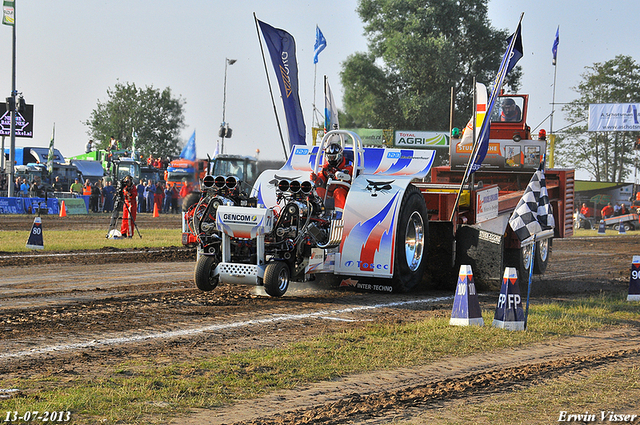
151 195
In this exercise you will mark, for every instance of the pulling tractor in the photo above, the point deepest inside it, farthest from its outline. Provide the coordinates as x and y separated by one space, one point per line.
285 231
395 229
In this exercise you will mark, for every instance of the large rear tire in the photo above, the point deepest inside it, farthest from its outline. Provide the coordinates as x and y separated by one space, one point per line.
520 259
412 236
276 278
203 274
543 254
189 200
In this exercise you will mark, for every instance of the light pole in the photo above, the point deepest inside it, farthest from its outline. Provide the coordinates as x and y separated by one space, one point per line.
12 102
225 131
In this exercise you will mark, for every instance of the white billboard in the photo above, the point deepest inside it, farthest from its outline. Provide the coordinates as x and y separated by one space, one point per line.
421 139
614 117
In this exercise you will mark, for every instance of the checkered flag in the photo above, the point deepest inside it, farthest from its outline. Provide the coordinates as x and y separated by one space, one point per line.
533 213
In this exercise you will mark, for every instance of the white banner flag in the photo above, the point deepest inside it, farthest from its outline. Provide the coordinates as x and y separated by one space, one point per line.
330 109
481 111
614 117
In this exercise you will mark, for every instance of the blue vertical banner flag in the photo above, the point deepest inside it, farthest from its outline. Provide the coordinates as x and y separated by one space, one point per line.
282 49
511 57
320 44
554 49
189 150
516 49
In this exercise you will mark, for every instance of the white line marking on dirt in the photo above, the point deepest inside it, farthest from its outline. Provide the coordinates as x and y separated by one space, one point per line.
338 319
223 326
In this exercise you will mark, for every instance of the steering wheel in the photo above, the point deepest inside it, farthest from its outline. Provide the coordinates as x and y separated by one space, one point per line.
331 181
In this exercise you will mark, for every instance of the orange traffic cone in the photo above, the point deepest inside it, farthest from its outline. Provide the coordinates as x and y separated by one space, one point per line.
63 210
155 210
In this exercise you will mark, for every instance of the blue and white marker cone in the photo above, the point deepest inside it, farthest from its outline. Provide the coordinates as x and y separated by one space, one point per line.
622 229
466 307
634 282
35 240
601 228
509 314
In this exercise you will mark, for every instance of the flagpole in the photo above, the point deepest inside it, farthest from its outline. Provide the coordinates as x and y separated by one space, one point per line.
553 100
552 136
476 143
475 123
324 90
533 252
318 47
12 149
315 81
315 122
495 91
2 159
266 71
451 109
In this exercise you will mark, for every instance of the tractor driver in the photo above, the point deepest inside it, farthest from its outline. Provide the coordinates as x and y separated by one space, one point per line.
130 207
510 111
338 168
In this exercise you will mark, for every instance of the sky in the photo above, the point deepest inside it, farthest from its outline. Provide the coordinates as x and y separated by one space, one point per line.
69 53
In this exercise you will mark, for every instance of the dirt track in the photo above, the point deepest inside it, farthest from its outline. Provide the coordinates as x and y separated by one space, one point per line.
62 322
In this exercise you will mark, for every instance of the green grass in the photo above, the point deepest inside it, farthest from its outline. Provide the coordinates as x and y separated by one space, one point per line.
615 389
608 232
67 240
148 392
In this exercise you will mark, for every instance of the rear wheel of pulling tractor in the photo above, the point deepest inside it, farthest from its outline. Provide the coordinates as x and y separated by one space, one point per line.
412 235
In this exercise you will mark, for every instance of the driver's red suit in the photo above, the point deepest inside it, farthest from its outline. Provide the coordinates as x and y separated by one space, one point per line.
129 210
338 192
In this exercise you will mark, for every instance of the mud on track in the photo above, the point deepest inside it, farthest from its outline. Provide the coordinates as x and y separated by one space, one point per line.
70 318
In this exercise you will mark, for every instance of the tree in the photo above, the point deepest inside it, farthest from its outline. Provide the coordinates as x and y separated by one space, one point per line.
418 50
607 156
371 96
155 115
